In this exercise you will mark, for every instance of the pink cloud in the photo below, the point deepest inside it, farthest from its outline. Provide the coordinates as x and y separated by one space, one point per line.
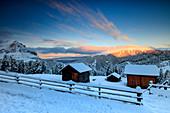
95 18
58 55
24 36
89 50
17 31
52 16
124 36
63 8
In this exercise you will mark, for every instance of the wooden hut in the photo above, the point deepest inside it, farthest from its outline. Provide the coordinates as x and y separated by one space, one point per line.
78 72
114 77
140 75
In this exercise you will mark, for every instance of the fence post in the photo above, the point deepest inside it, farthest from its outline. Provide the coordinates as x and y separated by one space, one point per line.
99 92
150 84
17 79
165 88
70 87
139 94
40 84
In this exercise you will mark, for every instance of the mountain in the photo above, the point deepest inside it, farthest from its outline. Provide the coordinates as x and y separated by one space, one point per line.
125 53
101 64
17 50
105 64
24 60
129 50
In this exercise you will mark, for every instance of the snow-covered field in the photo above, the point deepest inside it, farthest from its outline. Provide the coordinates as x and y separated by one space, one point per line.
17 98
94 80
22 99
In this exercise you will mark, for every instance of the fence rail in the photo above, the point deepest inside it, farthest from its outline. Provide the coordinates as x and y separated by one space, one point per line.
163 85
124 95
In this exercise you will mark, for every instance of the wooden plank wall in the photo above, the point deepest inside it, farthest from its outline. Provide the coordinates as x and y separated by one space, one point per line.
136 80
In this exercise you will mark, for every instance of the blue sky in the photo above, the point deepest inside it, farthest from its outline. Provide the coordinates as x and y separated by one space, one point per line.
76 23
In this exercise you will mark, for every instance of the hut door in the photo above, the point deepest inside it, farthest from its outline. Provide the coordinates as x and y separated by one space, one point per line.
75 77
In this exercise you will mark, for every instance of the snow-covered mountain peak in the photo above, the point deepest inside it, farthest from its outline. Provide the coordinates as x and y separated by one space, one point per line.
12 46
16 50
129 50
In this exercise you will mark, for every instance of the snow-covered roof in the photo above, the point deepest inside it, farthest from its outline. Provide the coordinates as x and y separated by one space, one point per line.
151 70
115 74
80 67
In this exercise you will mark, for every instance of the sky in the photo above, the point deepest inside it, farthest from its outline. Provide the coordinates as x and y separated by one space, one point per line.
76 28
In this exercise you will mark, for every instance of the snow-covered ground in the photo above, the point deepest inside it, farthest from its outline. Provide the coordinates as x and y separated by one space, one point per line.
94 80
22 99
17 98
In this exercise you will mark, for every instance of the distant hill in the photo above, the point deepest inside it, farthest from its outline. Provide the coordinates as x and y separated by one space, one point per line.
105 64
17 50
126 53
129 50
102 64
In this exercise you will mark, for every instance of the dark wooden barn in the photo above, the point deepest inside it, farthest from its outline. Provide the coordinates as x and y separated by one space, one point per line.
78 72
141 75
114 77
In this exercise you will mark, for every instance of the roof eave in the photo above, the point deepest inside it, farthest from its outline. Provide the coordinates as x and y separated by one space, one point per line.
142 74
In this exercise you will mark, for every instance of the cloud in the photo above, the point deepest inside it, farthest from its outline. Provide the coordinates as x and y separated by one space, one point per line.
26 37
53 16
17 31
83 34
11 32
124 36
83 50
62 43
49 50
95 19
58 55
5 34
63 8
167 45
88 50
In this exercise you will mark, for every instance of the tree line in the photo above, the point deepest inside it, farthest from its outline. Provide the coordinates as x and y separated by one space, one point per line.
31 67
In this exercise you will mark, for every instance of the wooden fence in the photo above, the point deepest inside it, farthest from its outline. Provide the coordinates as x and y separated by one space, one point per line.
163 85
124 95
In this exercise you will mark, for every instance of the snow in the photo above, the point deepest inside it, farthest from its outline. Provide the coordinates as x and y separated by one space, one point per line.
21 56
165 65
115 74
17 98
6 44
129 48
94 80
151 70
80 67
18 51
